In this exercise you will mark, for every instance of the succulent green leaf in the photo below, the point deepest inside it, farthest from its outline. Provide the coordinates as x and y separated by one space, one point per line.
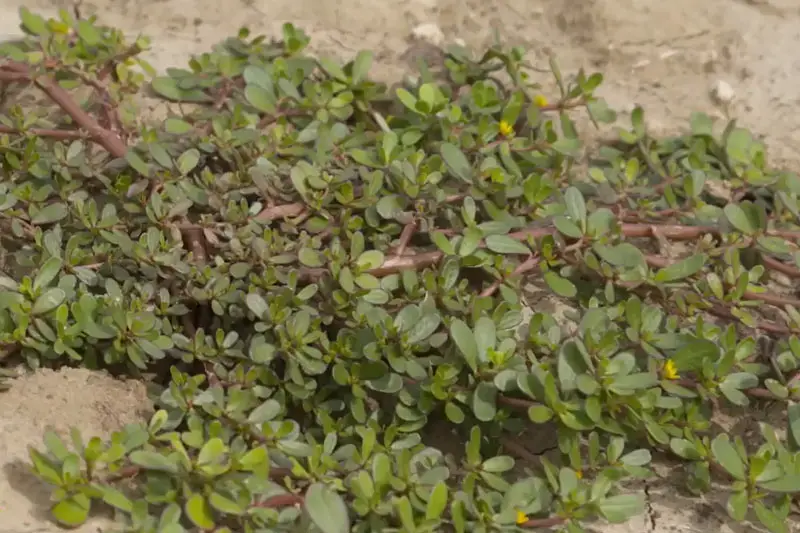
327 509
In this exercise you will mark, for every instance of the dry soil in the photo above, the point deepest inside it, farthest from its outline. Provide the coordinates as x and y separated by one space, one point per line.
666 56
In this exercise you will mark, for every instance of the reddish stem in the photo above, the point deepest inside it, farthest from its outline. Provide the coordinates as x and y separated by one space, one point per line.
550 521
281 500
405 238
779 266
106 138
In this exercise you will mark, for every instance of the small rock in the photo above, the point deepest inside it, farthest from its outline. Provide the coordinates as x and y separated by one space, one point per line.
722 93
429 33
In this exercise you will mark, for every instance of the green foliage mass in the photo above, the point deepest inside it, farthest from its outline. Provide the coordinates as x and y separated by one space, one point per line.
342 294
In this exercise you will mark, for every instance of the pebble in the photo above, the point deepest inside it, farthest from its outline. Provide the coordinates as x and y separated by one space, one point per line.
722 93
429 33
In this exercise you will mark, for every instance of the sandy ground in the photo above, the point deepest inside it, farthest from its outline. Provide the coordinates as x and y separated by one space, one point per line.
665 56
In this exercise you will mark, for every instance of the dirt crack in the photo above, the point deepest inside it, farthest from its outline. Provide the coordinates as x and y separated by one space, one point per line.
651 512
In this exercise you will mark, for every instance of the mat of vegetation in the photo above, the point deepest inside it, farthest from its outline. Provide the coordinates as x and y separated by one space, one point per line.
312 270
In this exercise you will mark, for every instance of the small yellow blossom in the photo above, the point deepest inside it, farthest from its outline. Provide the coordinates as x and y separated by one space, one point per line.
540 100
521 517
506 129
579 474
669 371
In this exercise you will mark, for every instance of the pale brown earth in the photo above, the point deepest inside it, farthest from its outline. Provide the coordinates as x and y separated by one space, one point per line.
665 56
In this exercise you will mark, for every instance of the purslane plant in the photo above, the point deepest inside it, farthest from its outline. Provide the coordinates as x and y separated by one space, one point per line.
319 274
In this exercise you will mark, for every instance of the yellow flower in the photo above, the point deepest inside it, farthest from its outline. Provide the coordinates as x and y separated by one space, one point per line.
521 517
669 371
540 100
579 474
506 129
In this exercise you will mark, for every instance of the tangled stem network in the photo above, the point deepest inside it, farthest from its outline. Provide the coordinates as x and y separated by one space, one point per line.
318 274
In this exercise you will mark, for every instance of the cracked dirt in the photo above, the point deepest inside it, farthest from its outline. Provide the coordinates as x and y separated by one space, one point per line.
663 55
